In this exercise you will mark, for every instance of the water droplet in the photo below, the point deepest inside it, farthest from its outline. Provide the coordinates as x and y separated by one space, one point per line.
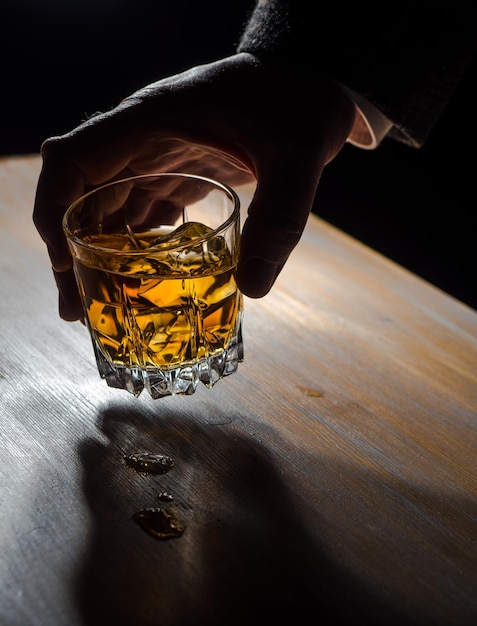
148 463
308 391
159 523
165 496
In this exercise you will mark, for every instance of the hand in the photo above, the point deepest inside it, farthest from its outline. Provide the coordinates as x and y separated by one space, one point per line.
234 120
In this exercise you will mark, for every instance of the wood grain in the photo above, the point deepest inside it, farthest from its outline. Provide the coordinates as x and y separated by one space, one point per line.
333 475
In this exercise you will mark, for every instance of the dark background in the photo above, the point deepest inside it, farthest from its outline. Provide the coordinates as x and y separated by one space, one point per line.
64 60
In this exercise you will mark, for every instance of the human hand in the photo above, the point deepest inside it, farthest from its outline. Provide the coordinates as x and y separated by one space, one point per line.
233 120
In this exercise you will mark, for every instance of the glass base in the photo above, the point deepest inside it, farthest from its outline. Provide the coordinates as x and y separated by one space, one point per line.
182 380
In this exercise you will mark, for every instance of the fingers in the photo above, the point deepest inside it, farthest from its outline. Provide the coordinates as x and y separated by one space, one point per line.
60 183
68 167
277 216
70 307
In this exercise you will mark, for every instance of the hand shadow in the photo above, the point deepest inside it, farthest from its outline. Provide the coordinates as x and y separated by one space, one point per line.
245 556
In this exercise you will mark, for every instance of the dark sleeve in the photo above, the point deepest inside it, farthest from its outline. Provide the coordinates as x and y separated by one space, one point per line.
405 58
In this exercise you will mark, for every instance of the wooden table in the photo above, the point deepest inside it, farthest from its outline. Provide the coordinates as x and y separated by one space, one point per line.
332 477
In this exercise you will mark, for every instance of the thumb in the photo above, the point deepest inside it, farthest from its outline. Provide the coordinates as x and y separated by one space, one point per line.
277 216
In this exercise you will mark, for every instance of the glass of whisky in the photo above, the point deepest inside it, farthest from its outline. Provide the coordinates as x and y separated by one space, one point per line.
155 259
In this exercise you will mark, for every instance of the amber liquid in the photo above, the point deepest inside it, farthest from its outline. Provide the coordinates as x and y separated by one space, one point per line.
161 308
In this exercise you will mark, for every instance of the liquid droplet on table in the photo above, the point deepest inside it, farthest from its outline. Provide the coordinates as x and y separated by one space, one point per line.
148 463
159 523
313 393
164 496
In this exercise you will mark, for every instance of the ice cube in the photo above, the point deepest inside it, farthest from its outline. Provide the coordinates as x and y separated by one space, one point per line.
182 234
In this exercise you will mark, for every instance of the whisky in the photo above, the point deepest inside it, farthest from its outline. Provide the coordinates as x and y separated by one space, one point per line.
160 301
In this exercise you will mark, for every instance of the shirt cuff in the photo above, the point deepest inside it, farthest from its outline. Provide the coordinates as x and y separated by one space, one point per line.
371 126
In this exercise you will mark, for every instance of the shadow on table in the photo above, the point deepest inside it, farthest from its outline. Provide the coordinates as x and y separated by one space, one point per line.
245 556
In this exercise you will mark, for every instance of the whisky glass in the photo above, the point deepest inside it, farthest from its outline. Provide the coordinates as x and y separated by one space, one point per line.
155 259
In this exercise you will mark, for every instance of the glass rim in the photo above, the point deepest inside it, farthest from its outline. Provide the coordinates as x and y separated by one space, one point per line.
235 213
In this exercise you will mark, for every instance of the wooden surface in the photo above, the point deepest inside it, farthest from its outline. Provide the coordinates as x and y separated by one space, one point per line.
333 476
